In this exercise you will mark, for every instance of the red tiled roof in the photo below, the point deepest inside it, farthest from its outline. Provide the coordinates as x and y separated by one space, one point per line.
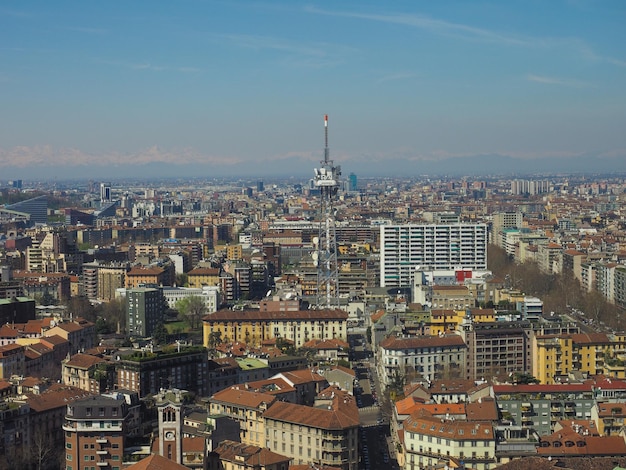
84 361
414 342
156 462
256 315
239 396
321 418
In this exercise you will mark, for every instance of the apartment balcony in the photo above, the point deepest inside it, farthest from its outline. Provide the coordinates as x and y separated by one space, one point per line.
101 440
102 464
102 452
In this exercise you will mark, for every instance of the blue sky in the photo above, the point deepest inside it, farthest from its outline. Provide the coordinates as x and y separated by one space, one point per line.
244 84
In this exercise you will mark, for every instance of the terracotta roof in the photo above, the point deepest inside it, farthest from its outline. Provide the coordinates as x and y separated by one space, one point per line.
407 405
204 272
275 386
156 462
84 361
70 327
308 416
56 396
53 340
611 409
377 316
302 376
484 410
252 456
415 342
590 338
7 332
571 443
421 422
10 349
327 344
239 396
257 315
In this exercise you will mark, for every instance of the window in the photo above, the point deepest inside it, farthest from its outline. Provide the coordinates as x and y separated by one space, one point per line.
68 445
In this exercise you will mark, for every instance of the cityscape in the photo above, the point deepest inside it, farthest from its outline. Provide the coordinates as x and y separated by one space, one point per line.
281 236
335 322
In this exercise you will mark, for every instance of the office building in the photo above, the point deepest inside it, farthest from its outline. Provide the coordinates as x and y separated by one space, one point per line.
35 209
105 192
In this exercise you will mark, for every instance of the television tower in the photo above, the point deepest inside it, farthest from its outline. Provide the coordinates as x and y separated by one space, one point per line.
325 254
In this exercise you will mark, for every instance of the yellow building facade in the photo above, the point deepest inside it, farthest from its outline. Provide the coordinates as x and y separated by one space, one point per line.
253 327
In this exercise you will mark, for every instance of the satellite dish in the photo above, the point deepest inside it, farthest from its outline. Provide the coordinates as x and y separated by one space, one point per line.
315 255
316 241
315 262
269 292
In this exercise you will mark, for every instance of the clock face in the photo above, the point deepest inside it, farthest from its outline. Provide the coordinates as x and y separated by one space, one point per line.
169 435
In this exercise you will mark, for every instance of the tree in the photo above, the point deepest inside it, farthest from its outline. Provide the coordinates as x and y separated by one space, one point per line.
192 308
159 335
114 312
79 306
215 339
396 385
521 378
42 450
181 279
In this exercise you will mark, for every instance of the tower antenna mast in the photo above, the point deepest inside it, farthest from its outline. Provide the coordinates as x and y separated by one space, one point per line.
325 253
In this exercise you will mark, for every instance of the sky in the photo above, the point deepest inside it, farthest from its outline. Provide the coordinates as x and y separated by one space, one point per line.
225 87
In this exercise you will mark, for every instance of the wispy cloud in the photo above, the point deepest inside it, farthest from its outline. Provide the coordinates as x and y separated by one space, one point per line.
396 76
316 54
567 82
433 25
589 54
146 65
471 33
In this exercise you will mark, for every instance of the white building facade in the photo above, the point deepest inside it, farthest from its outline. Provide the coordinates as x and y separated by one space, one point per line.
403 248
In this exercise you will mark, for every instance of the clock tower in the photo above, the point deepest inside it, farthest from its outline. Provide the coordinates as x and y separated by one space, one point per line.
169 406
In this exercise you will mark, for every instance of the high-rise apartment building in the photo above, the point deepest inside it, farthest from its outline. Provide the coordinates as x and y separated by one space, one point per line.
145 308
403 248
94 433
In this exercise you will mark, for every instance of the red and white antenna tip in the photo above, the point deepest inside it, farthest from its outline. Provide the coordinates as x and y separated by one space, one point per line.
326 119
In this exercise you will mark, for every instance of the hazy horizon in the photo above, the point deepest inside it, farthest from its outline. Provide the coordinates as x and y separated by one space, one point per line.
241 87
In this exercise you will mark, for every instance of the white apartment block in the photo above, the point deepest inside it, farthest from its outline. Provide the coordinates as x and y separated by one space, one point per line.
403 248
429 441
431 357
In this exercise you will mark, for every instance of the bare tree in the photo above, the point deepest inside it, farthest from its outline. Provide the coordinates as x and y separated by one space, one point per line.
42 450
193 308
